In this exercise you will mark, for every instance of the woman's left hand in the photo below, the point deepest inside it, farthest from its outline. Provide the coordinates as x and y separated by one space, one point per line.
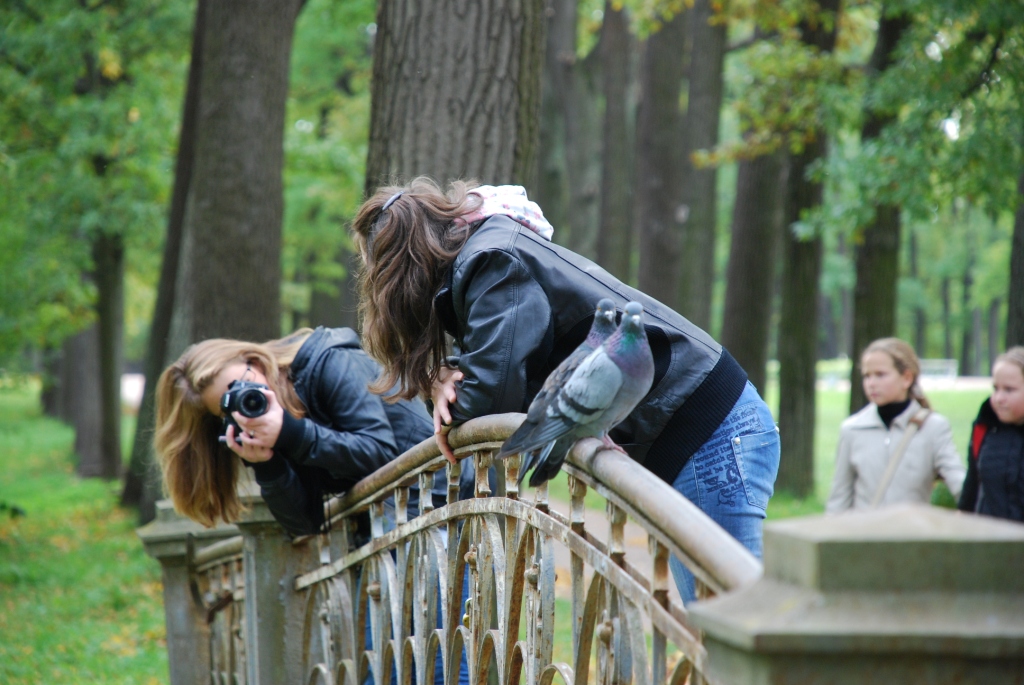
259 434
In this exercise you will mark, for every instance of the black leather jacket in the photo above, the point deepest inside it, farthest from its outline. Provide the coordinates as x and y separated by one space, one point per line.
348 432
995 468
517 305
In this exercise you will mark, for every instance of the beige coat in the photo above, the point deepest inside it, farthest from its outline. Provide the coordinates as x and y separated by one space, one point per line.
865 445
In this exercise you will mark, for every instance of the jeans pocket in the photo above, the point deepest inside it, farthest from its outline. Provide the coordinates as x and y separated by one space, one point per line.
758 458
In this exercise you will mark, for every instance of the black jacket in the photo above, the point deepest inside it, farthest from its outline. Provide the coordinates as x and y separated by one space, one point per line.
517 305
348 432
995 468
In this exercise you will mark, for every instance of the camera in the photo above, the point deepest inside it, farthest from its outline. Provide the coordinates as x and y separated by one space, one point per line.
247 399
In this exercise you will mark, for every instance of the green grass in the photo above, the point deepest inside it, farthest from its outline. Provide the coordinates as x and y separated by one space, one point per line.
80 602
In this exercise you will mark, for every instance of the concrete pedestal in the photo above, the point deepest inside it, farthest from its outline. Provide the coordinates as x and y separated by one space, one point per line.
909 594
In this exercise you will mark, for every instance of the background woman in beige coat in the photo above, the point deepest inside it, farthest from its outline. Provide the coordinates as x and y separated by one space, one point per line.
869 439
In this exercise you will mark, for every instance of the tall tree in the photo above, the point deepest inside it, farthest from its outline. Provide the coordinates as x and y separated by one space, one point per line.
750 279
141 487
615 236
552 186
658 201
1015 310
228 283
877 260
108 257
451 101
708 33
801 276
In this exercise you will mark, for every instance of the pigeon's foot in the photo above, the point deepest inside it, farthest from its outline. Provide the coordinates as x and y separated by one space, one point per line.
610 444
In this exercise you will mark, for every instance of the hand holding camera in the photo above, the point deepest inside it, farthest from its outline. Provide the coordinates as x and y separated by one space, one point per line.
252 420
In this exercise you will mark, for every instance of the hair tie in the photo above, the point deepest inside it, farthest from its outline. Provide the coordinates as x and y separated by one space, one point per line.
376 222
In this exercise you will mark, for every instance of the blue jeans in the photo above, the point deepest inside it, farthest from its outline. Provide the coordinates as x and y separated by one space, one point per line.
732 476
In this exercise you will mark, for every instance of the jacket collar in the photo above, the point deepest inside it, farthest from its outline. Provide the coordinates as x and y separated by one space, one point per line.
444 305
868 417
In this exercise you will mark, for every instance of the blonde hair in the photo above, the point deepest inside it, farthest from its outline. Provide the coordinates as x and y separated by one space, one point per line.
1014 355
200 474
904 359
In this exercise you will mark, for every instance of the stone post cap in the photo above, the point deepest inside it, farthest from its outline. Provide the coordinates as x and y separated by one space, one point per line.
167 535
899 548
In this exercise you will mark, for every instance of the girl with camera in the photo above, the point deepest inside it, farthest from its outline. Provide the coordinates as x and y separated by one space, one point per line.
321 432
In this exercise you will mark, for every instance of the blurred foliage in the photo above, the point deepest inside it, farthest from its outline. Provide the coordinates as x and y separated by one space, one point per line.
89 105
325 145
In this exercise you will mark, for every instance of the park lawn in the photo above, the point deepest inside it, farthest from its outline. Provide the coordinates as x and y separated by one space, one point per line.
80 602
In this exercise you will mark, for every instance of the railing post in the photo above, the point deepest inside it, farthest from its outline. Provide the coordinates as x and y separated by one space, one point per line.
273 610
167 539
908 594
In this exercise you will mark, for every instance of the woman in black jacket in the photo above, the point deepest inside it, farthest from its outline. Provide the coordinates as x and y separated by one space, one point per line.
995 457
476 265
321 433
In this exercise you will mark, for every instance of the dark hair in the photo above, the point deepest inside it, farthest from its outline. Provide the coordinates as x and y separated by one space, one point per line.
407 249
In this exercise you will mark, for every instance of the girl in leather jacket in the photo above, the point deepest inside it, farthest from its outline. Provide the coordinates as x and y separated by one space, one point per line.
322 431
476 266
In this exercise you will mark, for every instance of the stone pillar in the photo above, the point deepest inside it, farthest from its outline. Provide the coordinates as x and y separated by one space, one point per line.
909 594
274 612
166 539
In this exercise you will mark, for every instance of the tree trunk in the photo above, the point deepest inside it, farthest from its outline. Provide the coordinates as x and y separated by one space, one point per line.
828 339
230 276
1015 301
756 226
947 319
994 309
451 100
658 161
920 315
108 257
141 483
615 237
659 204
700 186
967 367
552 186
874 300
80 378
801 278
583 151
339 308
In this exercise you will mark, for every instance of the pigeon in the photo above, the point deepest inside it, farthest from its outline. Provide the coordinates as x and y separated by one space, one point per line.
588 401
603 326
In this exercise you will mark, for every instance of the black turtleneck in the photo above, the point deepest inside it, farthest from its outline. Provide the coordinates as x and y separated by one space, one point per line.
888 412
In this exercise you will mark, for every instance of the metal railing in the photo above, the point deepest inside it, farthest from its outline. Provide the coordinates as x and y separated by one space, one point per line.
471 585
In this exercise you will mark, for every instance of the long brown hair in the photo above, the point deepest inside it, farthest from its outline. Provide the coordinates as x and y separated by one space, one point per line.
904 359
200 473
406 251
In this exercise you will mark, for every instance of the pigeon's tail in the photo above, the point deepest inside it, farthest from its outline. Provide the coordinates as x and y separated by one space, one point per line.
530 437
533 459
549 466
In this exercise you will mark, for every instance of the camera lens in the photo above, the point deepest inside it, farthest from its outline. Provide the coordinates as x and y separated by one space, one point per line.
252 403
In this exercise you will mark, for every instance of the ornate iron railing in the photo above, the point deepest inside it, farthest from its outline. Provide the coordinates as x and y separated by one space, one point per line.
471 585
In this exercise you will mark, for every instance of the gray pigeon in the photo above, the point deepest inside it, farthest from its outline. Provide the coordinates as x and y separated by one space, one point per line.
596 396
603 326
